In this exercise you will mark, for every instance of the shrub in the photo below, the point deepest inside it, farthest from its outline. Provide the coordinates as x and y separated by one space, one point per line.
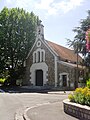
88 83
81 96
2 80
71 98
87 102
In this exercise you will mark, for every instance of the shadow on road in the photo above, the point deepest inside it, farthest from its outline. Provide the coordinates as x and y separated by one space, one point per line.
19 89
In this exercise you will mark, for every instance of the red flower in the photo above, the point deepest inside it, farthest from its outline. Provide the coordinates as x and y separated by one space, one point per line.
88 40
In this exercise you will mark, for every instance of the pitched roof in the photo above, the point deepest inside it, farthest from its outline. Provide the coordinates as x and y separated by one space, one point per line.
72 65
64 53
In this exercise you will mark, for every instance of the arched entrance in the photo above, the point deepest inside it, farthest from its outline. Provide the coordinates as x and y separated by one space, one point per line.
39 78
38 74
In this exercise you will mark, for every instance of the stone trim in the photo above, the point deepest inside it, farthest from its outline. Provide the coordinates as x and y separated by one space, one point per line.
47 46
67 64
79 111
61 80
38 66
32 48
39 34
39 55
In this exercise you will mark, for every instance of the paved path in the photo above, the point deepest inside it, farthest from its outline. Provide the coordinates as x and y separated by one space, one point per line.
13 103
52 111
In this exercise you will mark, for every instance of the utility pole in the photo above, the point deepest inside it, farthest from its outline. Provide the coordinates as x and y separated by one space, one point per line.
77 75
77 67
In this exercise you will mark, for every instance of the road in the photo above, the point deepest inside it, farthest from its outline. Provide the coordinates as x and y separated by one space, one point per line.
53 111
11 103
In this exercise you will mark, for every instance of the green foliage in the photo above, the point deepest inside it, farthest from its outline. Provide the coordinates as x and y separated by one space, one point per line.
88 83
81 96
17 35
71 97
79 42
2 80
19 82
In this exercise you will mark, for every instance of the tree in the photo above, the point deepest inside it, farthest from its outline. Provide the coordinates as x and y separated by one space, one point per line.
79 42
17 34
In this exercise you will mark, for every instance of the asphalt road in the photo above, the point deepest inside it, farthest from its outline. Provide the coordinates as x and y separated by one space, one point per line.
10 104
53 111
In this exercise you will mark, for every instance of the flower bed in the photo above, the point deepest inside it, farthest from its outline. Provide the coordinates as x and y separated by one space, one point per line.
78 104
81 112
81 96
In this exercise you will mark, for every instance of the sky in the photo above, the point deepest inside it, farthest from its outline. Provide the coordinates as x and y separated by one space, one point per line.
59 17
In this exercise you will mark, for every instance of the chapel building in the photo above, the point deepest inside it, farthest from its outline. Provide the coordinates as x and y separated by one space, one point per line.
51 65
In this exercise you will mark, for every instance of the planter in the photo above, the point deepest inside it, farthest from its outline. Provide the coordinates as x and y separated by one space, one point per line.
81 112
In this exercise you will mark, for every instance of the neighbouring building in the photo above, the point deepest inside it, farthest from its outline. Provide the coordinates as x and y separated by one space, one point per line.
51 65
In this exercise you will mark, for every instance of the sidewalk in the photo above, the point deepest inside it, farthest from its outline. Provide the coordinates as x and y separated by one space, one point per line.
60 92
49 111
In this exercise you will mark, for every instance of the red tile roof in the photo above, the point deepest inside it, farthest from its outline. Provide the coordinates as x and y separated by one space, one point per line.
64 53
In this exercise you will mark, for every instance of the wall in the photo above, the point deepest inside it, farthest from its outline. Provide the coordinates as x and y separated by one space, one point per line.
70 71
49 60
79 111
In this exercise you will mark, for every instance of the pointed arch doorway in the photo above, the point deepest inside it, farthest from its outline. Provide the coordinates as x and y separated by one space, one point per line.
39 77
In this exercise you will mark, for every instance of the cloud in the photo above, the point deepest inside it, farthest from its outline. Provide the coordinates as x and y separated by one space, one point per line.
44 4
8 1
19 3
23 3
54 8
48 7
66 6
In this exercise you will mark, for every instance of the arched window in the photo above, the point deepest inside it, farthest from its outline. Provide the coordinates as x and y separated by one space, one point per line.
39 55
42 56
35 57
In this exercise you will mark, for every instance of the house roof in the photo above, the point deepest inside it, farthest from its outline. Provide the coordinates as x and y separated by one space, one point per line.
64 53
72 65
